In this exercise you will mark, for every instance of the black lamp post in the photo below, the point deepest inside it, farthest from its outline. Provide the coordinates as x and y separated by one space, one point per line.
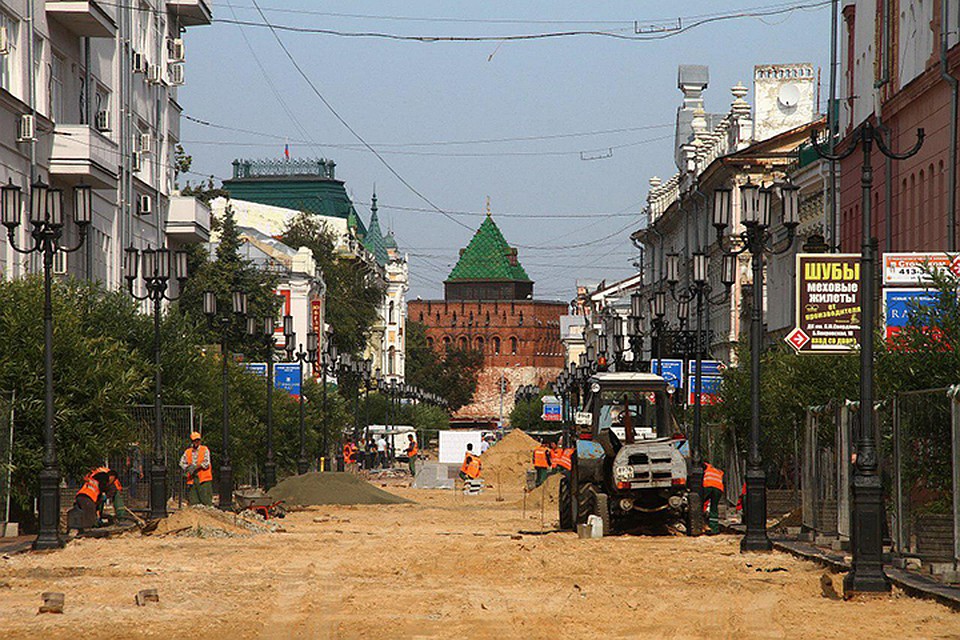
328 363
658 309
224 324
367 373
866 574
155 276
699 292
309 356
758 240
268 329
46 234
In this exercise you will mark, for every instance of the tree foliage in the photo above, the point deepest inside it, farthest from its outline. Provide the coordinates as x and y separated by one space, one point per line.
451 375
527 414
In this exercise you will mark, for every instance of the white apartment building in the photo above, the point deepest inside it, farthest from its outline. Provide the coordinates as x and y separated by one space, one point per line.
88 95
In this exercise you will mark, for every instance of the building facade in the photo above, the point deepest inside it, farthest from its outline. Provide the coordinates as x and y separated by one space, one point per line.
726 150
88 95
899 65
518 336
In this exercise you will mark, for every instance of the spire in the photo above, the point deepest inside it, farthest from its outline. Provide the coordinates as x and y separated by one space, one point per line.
374 240
373 206
488 206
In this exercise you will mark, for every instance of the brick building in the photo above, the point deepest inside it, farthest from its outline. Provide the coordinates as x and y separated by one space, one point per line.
488 305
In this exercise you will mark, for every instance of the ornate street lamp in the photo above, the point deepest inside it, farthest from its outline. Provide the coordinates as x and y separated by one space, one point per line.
309 356
224 324
698 291
46 235
866 574
757 239
266 328
658 309
155 276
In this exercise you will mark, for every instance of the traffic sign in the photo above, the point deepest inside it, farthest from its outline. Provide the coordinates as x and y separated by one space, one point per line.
669 370
287 376
707 367
709 388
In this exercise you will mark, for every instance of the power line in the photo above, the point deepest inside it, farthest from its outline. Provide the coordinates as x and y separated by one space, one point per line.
347 125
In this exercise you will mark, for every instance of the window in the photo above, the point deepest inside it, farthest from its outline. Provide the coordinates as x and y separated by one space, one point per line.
446 342
392 361
479 343
143 26
496 345
462 342
430 342
513 346
57 65
8 62
38 73
390 313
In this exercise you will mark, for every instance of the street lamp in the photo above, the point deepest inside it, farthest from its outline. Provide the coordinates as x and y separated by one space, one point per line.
155 276
698 291
267 327
223 324
867 574
301 356
658 309
46 233
756 238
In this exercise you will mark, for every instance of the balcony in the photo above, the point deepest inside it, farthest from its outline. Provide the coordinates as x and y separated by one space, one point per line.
83 154
190 13
188 220
85 19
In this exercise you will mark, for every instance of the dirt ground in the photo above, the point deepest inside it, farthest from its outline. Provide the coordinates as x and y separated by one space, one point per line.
449 566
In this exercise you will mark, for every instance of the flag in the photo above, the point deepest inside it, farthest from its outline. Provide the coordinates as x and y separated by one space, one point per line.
286 151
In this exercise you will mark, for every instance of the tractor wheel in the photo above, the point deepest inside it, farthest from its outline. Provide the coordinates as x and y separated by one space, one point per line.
565 505
584 500
601 507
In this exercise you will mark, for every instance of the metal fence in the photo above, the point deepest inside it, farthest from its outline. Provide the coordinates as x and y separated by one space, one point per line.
6 458
825 470
925 443
133 464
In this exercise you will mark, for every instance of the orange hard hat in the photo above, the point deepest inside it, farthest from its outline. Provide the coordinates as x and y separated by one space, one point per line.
194 435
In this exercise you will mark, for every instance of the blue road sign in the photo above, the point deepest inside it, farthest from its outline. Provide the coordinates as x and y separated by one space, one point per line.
669 370
551 412
707 367
286 375
709 387
898 304
256 368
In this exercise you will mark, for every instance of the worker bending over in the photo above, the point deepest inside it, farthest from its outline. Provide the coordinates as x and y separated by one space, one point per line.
99 485
712 494
470 469
195 463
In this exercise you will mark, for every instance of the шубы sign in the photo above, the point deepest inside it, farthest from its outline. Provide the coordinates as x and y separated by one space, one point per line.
828 303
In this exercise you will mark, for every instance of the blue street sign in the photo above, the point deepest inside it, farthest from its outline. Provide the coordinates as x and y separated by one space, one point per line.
551 412
256 368
669 370
707 367
287 376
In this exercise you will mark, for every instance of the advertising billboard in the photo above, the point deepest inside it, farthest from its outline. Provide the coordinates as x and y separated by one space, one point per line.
827 303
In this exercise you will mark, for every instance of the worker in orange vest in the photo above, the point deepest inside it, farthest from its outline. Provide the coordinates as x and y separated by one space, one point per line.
712 494
196 465
349 454
554 457
470 469
412 451
563 460
541 462
86 507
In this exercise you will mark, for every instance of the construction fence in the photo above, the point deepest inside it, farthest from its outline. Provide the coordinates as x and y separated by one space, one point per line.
6 458
133 464
918 434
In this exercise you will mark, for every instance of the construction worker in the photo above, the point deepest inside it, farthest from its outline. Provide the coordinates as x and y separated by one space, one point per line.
111 490
541 462
195 463
85 513
470 468
554 458
412 451
712 494
563 460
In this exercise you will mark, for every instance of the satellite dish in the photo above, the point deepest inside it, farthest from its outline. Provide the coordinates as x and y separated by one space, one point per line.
789 95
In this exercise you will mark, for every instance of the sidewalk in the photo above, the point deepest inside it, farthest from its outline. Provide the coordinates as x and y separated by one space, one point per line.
912 583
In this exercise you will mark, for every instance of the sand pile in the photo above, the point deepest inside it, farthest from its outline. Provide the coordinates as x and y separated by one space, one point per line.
547 494
331 488
207 522
506 463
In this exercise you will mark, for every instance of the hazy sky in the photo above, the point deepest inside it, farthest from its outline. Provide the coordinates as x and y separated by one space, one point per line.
401 95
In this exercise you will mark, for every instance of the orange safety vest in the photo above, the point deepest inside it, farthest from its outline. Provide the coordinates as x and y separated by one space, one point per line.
540 458
471 466
712 477
116 481
349 453
90 488
412 450
203 475
564 459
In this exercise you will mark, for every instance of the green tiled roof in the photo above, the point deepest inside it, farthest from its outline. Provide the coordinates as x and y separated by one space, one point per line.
373 241
488 257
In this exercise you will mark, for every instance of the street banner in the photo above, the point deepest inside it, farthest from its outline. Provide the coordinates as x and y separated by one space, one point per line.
287 376
899 303
669 370
551 409
709 387
912 269
827 303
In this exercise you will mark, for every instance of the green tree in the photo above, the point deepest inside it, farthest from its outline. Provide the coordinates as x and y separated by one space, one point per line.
354 293
451 375
527 414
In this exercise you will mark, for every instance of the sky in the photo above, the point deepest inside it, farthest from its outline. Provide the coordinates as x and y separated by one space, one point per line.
561 134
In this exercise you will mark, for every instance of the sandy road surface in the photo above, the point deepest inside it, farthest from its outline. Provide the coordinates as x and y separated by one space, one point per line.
443 568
